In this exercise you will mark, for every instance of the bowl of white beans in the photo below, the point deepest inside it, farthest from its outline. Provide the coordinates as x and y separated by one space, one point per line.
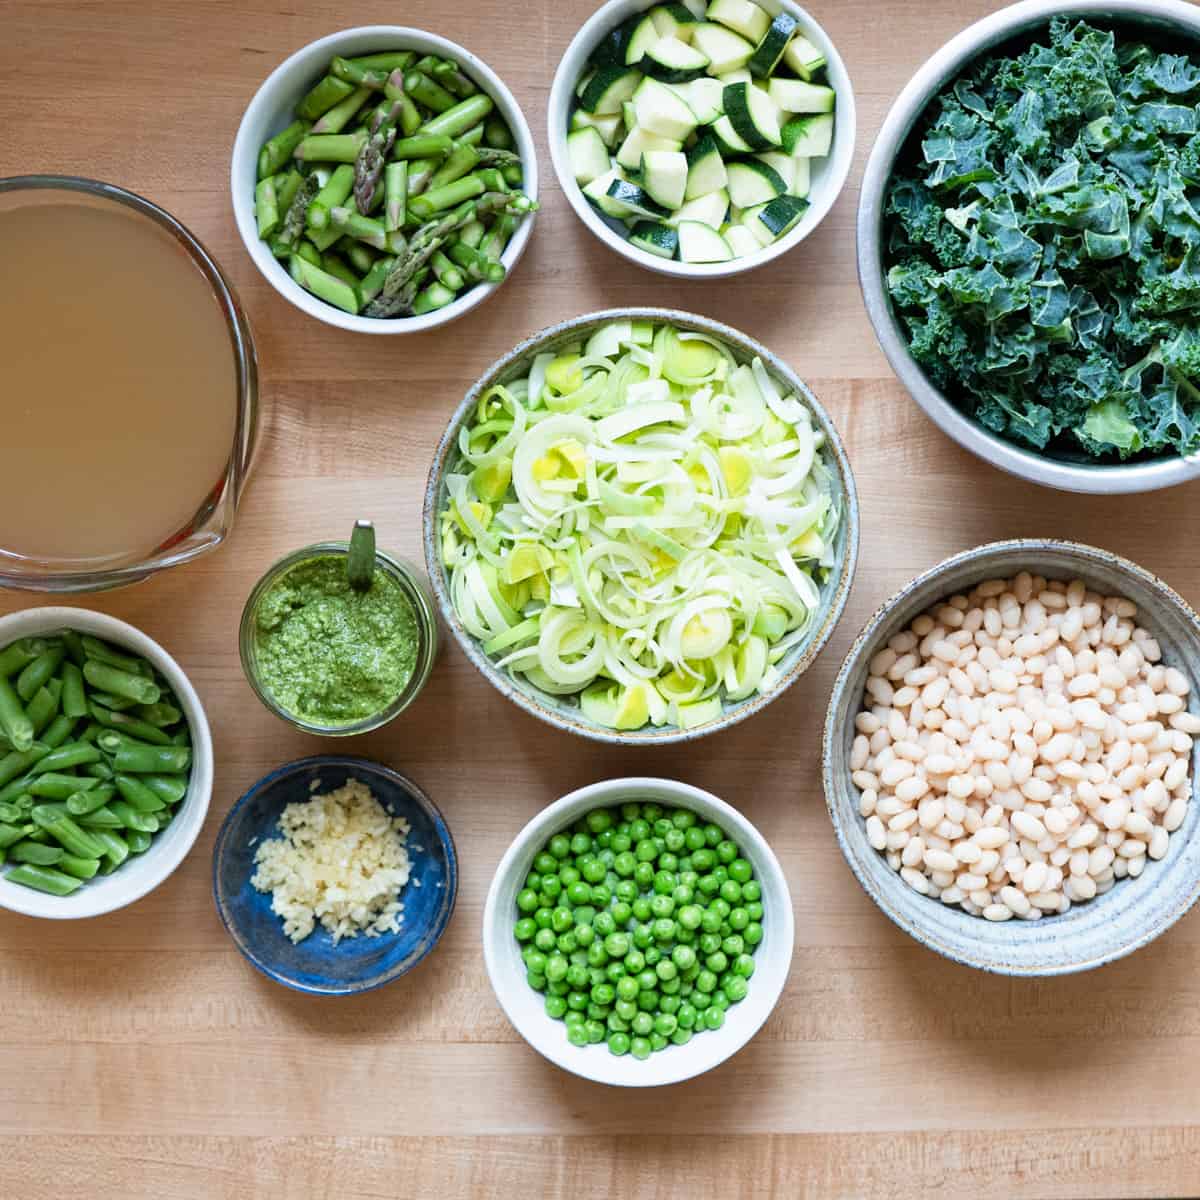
1010 761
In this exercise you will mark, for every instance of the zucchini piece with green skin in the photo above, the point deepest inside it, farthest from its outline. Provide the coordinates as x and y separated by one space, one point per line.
609 127
741 241
642 36
725 49
753 182
774 42
729 142
654 238
744 17
673 61
706 168
588 155
608 89
660 110
808 137
638 143
796 96
610 52
793 171
803 57
775 219
704 97
633 199
597 193
664 176
673 20
709 210
700 243
753 115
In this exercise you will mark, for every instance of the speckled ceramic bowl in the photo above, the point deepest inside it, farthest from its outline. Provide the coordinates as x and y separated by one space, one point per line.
316 965
563 711
1088 935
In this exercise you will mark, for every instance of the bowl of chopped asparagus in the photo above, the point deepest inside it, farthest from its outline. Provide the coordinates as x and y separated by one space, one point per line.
384 180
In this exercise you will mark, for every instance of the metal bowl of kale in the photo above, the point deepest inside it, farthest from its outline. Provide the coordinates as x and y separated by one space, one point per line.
1029 242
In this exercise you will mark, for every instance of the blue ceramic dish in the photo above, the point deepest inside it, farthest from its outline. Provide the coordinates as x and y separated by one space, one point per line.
316 965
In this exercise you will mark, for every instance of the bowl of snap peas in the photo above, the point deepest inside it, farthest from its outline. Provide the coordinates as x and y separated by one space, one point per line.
105 763
384 180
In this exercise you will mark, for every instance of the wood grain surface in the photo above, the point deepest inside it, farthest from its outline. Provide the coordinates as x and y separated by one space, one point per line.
141 1057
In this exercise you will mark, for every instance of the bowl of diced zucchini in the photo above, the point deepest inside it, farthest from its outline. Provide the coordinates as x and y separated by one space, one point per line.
701 139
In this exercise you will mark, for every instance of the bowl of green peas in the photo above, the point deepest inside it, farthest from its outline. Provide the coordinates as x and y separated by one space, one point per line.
384 180
638 932
106 763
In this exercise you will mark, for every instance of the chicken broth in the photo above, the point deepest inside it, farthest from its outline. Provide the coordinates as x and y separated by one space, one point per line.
118 382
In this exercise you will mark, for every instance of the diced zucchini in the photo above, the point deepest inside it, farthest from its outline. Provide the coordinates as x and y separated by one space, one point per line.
742 16
660 110
802 181
597 193
753 114
673 20
611 50
796 96
660 240
699 243
787 169
664 176
808 137
674 61
774 42
775 219
803 57
637 143
709 210
608 89
584 80
741 75
696 8
607 127
706 168
727 137
633 199
726 51
741 241
642 36
588 155
704 97
753 182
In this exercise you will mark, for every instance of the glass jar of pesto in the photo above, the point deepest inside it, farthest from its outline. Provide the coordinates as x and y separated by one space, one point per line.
328 658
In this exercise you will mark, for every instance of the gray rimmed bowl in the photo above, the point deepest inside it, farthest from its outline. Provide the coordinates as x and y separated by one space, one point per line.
1164 18
560 711
1135 911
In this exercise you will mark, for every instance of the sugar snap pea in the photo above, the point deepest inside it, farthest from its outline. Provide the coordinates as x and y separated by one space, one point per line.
44 879
36 853
120 682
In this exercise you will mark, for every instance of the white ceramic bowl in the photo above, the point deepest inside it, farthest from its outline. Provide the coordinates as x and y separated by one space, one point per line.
525 1007
271 110
143 873
829 174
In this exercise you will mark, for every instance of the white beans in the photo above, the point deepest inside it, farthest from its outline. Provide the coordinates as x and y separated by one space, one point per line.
1023 747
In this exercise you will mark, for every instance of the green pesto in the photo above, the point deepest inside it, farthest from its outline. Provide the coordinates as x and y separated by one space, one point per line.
330 655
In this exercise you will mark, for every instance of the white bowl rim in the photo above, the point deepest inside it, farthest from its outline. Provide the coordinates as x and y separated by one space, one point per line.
841 160
146 872
832 734
943 65
403 37
606 793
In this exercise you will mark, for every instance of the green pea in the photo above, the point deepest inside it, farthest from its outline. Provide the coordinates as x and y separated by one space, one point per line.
646 851
545 864
639 830
740 871
751 889
625 863
527 900
617 944
664 883
681 1037
621 842
584 935
687 1015
568 874
739 918
731 892
665 969
719 999
525 928
594 872
640 1048
535 960
640 909
683 894
665 1024
601 894
710 943
626 891
560 847
562 919
618 1043
754 910
597 956
604 838
651 954
736 989
687 877
577 976
668 862
595 1032
599 819
721 905
573 1017
651 811
744 966
581 843
614 971
714 1017
662 906
552 887
713 835
597 1012
556 1007
710 922
675 840
535 981
685 937
625 1009
658 1042
642 1024
681 818
720 873
693 839
577 1000
664 929
543 918
579 893
643 874
556 968
627 988
577 1034
604 924
622 913
545 940
683 957
709 885
635 961
706 982
616 1024
733 945
717 962
753 934
630 811
648 1000
691 916
669 1003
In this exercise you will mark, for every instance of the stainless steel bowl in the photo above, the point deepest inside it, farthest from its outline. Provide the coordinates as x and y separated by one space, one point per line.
1163 17
1088 935
563 712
